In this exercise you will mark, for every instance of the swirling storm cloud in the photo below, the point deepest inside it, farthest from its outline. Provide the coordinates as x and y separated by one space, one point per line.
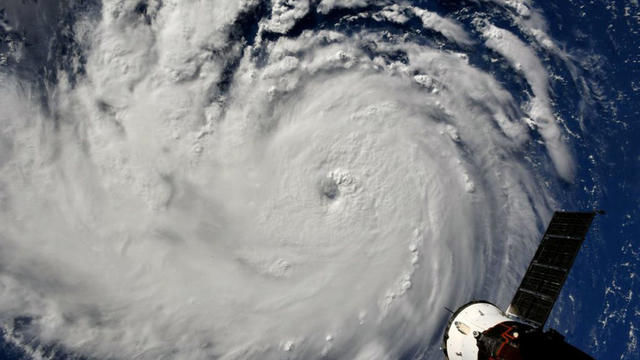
268 180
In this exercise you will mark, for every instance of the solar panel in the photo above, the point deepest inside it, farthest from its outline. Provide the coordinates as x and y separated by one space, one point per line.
550 266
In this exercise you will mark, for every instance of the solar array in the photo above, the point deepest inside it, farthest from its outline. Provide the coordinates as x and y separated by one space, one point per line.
550 266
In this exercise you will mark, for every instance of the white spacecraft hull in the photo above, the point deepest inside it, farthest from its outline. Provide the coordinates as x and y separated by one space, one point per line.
467 324
479 330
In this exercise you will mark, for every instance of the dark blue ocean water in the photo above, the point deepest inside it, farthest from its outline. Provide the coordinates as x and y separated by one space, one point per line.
599 309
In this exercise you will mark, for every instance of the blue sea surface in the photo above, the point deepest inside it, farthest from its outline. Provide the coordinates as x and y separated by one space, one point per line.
599 308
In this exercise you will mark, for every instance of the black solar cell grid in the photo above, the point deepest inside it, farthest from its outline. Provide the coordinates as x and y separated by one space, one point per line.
550 266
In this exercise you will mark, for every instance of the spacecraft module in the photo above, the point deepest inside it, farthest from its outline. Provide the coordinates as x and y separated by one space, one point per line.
479 330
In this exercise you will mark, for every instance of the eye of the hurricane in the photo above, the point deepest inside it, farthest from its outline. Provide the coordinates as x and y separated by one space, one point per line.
329 188
268 180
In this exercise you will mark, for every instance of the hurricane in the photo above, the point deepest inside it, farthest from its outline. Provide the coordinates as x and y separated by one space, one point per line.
270 179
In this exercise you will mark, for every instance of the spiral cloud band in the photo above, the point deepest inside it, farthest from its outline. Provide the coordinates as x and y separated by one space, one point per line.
241 180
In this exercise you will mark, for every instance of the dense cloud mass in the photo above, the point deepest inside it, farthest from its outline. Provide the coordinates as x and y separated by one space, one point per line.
248 180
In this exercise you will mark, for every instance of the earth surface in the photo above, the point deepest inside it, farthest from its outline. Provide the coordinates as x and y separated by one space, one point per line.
309 179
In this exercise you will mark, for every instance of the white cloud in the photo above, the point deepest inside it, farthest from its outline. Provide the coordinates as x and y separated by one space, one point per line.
447 27
523 59
325 6
285 14
329 190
